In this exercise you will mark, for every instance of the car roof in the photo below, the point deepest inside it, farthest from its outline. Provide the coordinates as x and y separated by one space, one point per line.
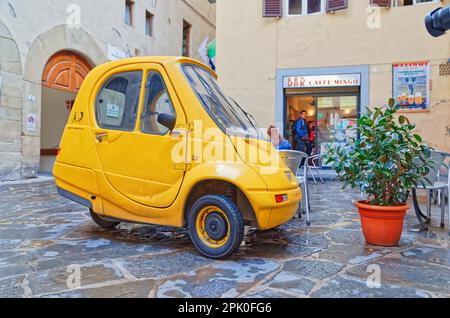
163 60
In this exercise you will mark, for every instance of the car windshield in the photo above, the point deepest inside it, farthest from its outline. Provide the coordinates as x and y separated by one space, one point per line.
224 110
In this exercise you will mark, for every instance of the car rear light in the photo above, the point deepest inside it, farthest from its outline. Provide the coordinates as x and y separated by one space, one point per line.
280 198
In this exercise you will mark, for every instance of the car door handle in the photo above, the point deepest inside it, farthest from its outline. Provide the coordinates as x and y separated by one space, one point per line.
100 137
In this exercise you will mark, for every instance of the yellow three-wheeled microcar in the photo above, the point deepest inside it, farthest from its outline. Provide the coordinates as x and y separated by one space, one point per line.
154 140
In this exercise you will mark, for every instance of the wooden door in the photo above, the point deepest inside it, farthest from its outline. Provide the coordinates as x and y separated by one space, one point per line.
65 71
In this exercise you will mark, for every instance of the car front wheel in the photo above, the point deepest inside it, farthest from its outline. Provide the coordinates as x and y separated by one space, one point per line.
216 226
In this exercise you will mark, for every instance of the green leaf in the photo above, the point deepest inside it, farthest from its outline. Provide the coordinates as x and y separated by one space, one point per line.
418 137
391 102
408 157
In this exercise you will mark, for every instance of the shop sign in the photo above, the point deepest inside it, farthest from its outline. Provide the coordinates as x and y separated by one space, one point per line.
412 84
343 80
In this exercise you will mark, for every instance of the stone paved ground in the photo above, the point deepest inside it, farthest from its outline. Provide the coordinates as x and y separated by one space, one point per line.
42 235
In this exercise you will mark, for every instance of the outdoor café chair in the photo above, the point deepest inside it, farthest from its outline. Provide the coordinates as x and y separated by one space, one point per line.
314 166
442 187
294 159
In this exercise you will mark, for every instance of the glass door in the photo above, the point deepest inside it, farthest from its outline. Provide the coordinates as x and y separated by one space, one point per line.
335 114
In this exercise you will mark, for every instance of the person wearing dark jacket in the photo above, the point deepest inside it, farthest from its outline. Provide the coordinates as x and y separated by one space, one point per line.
301 134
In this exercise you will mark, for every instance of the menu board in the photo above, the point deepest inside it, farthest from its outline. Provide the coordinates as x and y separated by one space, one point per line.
411 85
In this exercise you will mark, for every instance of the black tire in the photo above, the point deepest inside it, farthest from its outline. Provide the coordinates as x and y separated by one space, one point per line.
108 225
234 221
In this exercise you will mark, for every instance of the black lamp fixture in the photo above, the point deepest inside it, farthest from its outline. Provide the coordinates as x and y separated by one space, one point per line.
438 21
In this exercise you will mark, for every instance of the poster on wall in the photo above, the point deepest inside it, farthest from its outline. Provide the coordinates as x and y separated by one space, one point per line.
31 122
412 85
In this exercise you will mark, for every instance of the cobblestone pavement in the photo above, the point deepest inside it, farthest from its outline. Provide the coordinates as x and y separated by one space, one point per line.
43 236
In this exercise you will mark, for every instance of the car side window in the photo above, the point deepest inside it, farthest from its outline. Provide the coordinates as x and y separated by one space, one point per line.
118 100
157 101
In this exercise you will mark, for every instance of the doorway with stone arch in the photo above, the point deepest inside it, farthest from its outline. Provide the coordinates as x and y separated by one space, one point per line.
61 80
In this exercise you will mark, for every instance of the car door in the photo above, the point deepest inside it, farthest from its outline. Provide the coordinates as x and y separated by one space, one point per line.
135 151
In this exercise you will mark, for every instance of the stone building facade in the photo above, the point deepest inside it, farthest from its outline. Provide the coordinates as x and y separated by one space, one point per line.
37 38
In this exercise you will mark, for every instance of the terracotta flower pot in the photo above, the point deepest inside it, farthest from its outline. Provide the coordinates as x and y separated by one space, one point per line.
382 225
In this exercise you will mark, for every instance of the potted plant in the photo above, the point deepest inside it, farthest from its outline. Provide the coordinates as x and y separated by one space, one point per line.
385 162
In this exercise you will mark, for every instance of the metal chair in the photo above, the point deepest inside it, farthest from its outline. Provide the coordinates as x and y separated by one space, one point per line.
294 159
313 166
437 186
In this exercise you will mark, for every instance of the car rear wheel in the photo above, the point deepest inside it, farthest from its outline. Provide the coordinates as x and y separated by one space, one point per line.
102 222
216 226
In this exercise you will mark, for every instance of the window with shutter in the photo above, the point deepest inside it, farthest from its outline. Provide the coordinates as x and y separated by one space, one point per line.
129 12
381 3
335 5
148 23
402 3
272 8
305 7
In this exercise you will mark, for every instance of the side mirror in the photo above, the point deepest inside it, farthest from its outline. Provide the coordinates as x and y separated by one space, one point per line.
167 120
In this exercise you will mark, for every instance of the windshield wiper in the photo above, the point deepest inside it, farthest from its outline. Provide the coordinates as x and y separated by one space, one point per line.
249 116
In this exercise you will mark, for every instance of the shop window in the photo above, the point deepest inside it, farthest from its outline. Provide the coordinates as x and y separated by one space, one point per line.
118 100
305 7
186 39
129 12
149 24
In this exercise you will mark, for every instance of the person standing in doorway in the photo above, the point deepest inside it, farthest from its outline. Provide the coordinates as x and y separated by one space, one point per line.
301 135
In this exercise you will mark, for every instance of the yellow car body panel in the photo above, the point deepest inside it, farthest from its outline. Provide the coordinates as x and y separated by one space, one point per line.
131 176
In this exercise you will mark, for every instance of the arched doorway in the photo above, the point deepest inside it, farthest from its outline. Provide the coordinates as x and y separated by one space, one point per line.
11 86
61 80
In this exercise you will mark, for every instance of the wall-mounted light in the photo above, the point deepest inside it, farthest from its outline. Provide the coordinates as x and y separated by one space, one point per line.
438 21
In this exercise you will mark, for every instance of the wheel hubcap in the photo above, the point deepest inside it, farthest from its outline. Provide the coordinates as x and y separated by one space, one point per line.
213 227
216 226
